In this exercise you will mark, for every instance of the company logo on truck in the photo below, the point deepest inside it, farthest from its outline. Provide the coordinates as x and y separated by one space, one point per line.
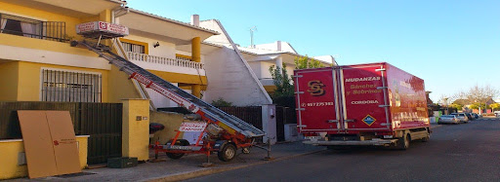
316 88
363 79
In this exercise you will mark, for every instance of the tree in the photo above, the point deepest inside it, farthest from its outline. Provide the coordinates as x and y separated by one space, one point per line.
283 93
457 106
446 102
479 95
495 106
306 62
282 81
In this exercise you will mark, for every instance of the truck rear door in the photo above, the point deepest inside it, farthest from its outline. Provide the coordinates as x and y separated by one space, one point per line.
317 105
364 98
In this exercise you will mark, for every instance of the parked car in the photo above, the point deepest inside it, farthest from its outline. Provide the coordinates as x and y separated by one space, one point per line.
469 116
448 119
474 115
462 117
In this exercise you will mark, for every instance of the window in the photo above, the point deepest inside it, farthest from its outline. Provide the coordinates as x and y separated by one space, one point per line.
135 48
70 86
20 26
49 30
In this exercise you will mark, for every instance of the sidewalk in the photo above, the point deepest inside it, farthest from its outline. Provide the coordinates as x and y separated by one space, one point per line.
187 166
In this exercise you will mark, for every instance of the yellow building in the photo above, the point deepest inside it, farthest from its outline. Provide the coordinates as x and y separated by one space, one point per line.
38 64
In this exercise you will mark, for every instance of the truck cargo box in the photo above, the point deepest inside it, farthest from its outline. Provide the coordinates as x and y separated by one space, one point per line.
359 103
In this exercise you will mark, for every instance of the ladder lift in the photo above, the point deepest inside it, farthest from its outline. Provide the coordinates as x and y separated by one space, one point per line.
220 132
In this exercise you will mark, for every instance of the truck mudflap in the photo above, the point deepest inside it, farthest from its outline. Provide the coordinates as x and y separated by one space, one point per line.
372 142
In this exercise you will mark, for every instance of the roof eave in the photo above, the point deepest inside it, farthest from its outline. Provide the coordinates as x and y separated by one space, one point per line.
173 21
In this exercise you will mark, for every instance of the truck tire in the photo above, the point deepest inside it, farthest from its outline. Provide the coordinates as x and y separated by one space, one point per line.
181 142
404 142
427 138
227 153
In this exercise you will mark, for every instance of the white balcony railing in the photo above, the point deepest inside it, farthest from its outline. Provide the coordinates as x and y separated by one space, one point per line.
163 60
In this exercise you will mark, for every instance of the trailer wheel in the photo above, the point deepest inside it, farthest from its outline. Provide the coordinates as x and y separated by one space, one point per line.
227 153
181 142
404 142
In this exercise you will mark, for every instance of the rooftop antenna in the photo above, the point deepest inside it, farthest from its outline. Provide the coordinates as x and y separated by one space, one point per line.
254 28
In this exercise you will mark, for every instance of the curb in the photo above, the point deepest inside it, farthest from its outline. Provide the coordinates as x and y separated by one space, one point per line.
435 126
204 172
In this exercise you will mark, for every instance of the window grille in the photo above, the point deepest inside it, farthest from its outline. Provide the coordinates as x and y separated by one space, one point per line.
68 86
135 48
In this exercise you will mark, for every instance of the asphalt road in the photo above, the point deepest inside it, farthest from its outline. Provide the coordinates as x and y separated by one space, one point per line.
466 152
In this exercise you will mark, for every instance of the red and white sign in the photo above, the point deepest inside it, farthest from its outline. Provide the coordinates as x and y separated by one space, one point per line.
192 126
100 26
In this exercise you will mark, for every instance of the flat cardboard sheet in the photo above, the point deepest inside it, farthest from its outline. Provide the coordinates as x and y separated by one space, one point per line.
65 147
49 143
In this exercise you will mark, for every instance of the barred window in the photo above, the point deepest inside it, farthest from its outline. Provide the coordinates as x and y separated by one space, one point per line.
70 86
135 48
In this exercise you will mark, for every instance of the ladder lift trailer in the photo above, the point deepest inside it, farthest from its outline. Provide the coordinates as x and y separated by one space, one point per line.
219 131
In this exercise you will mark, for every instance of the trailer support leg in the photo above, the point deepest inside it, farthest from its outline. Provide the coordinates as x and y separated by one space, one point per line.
208 163
268 157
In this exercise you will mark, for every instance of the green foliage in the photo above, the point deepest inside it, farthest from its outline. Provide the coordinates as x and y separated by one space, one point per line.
495 106
221 103
456 106
306 62
474 106
477 105
282 81
283 94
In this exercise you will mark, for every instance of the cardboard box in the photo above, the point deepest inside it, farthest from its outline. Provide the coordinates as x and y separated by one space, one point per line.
49 142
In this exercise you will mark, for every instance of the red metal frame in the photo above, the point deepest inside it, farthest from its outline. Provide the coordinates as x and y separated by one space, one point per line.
238 139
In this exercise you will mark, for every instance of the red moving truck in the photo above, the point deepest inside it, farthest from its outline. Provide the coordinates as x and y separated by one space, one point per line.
365 104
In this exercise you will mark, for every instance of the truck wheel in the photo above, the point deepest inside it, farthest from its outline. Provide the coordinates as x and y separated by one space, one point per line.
181 142
404 142
227 153
427 138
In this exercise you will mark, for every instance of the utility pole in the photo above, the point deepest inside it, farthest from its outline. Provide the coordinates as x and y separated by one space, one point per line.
446 105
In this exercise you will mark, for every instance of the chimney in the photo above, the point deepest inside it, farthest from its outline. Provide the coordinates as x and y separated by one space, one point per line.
279 45
195 20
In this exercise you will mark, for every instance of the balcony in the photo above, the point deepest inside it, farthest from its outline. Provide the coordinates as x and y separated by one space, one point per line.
47 30
166 64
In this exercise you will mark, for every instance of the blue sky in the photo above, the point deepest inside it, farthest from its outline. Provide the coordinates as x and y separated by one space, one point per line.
451 44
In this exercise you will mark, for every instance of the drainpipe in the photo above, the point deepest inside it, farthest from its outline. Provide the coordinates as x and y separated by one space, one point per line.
117 12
